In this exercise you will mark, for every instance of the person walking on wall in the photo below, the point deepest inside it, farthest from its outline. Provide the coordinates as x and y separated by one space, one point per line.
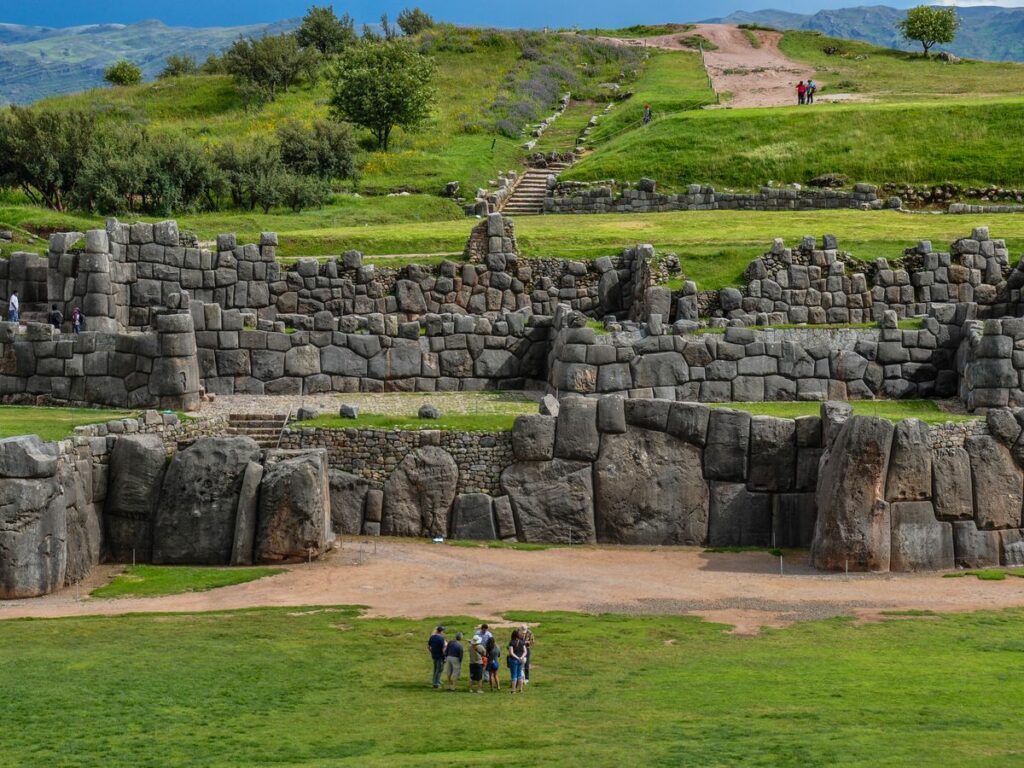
77 319
801 92
453 661
477 655
812 88
56 317
436 644
13 308
493 657
516 659
528 640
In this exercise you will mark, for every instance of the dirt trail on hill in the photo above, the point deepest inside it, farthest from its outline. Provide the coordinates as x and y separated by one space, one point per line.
415 579
756 77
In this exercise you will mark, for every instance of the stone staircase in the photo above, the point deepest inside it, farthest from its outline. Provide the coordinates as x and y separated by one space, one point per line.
527 199
264 428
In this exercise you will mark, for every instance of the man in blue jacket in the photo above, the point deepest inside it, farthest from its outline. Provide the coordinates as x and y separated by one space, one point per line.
437 645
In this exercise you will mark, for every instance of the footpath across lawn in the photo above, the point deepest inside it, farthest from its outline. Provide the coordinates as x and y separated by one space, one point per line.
324 687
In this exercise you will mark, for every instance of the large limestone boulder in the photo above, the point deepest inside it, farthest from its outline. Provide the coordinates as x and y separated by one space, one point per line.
135 474
649 489
295 508
919 541
33 535
853 524
348 497
952 490
728 440
576 435
553 500
772 454
27 456
998 484
84 524
419 493
973 548
195 516
473 518
247 515
738 517
910 466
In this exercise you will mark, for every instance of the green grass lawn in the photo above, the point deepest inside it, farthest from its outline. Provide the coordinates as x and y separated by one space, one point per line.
51 423
324 687
970 141
890 75
561 135
157 580
893 410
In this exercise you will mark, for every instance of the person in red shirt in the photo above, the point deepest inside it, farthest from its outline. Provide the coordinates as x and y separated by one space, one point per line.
801 92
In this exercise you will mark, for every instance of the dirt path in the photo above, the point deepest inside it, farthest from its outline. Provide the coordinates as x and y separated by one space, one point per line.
419 579
756 77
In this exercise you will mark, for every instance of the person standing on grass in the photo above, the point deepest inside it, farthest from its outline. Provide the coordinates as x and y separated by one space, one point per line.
453 661
528 640
648 114
13 308
516 660
812 87
477 655
493 656
436 644
801 92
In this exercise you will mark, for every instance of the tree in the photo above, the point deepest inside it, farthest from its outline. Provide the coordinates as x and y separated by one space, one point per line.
414 20
123 73
268 65
42 151
252 172
323 30
324 150
113 171
379 85
177 66
387 29
180 176
929 26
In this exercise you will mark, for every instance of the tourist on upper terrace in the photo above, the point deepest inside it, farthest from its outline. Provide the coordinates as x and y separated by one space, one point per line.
77 320
56 317
13 308
437 644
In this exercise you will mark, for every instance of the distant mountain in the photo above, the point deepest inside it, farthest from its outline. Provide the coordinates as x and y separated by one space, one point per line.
36 62
986 32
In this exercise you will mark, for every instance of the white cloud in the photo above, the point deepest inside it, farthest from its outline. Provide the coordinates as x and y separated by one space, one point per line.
999 3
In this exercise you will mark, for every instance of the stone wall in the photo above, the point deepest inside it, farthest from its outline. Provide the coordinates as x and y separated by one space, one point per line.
991 363
581 197
124 370
755 364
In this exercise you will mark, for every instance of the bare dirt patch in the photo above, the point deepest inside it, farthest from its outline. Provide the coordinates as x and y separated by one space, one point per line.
417 580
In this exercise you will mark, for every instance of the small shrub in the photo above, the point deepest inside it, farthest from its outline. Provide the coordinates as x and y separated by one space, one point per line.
123 73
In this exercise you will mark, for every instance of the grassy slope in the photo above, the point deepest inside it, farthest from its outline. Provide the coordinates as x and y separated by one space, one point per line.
50 423
325 688
971 142
893 410
898 76
157 580
714 246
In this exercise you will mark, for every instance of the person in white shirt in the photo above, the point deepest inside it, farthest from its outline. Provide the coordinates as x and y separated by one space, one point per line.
13 308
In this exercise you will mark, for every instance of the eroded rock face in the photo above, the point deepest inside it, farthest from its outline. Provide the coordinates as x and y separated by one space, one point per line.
853 524
910 467
295 509
553 500
27 456
84 523
419 493
195 516
998 484
247 515
952 490
739 517
649 489
33 535
348 497
136 472
919 541
472 518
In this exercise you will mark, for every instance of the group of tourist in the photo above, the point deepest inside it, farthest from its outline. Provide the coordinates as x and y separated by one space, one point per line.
805 92
484 658
55 318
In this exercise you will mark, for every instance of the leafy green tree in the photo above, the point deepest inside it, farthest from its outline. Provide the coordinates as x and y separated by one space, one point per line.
269 65
299 192
929 25
181 176
323 30
325 150
113 171
214 65
380 85
177 66
123 73
42 151
252 173
414 20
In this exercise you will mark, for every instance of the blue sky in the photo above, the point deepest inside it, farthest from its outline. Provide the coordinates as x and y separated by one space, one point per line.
524 13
